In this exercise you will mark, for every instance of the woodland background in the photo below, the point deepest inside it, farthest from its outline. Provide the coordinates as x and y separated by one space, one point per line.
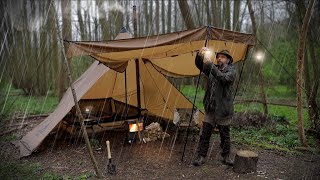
33 77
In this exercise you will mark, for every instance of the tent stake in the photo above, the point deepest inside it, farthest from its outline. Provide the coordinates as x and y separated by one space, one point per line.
78 111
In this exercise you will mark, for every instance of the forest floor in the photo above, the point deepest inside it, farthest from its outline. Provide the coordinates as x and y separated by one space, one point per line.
66 158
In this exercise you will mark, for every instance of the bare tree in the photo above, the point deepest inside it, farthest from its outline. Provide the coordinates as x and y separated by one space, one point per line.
300 61
186 14
169 16
259 67
54 55
216 13
311 73
226 14
236 14
151 31
175 16
66 34
82 26
146 16
208 11
157 17
163 23
105 33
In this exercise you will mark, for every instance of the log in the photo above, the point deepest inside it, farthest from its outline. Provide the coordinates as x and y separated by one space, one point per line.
32 116
245 162
238 101
13 129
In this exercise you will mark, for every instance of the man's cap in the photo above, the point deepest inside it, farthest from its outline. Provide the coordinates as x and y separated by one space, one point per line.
225 52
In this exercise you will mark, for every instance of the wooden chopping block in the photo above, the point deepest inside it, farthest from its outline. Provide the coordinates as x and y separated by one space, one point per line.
245 162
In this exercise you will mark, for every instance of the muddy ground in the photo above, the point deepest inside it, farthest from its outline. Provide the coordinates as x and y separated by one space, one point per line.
161 159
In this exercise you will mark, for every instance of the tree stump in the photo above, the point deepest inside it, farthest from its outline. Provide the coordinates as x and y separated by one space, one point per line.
245 162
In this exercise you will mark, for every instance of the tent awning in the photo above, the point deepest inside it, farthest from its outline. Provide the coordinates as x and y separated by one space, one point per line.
173 54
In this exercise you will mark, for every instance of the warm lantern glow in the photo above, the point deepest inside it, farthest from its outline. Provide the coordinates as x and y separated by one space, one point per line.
259 57
88 109
134 127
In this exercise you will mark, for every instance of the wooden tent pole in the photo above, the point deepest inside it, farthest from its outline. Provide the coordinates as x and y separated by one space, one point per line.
194 100
78 111
137 73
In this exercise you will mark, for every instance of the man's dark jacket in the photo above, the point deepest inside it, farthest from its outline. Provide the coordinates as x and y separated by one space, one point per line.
218 98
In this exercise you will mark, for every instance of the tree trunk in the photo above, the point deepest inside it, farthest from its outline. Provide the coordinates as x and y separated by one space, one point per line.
186 14
175 16
78 111
259 67
66 34
312 89
300 61
81 23
105 33
219 13
55 53
253 20
146 16
157 17
151 32
169 16
209 12
163 24
226 13
197 6
236 14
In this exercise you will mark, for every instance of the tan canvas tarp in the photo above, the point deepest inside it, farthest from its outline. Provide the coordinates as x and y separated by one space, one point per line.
173 54
33 138
158 96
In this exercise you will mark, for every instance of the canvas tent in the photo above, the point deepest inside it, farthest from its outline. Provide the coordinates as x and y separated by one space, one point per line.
169 54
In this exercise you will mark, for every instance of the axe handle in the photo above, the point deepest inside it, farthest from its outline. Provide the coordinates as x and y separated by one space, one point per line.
108 149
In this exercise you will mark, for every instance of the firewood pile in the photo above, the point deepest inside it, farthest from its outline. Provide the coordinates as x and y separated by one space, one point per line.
154 132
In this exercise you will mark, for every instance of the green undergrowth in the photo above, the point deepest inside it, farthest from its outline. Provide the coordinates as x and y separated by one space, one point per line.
281 136
20 105
15 170
190 91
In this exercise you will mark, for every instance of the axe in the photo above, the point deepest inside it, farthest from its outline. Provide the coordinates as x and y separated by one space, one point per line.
110 167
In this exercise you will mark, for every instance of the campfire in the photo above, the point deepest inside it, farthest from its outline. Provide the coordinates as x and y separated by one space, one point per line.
134 128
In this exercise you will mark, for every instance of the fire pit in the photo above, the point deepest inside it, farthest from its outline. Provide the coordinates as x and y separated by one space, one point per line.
134 128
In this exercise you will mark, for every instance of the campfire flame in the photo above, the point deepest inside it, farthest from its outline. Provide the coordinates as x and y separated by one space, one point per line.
134 127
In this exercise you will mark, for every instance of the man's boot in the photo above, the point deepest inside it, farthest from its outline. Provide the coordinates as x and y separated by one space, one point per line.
227 160
198 161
